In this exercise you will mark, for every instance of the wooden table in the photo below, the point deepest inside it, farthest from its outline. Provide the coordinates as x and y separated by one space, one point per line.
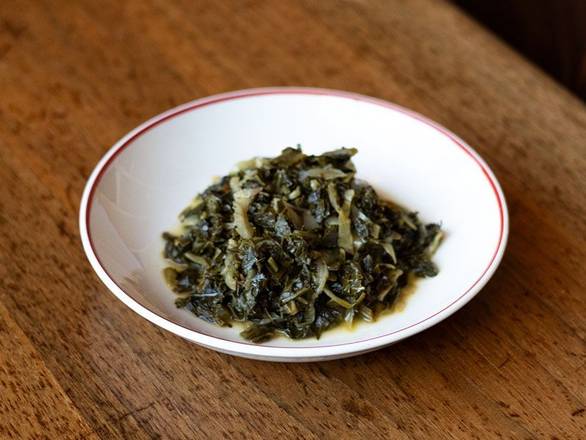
76 363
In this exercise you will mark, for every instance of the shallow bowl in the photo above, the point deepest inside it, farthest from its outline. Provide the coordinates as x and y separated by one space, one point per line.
143 182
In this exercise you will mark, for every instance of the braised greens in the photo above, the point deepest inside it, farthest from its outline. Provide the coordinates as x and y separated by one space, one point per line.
294 245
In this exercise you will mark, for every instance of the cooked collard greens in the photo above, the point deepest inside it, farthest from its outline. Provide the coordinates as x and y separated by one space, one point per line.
295 245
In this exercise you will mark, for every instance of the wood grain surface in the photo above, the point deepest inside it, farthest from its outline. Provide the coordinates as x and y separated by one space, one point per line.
552 35
76 363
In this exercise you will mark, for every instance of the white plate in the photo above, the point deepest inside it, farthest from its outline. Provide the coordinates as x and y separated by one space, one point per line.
143 182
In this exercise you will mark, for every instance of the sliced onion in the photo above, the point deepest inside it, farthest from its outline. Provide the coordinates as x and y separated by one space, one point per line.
345 239
337 299
229 269
326 173
333 196
388 247
197 259
322 275
242 200
435 243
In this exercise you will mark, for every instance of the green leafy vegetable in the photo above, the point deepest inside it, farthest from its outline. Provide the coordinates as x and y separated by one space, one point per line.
294 245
